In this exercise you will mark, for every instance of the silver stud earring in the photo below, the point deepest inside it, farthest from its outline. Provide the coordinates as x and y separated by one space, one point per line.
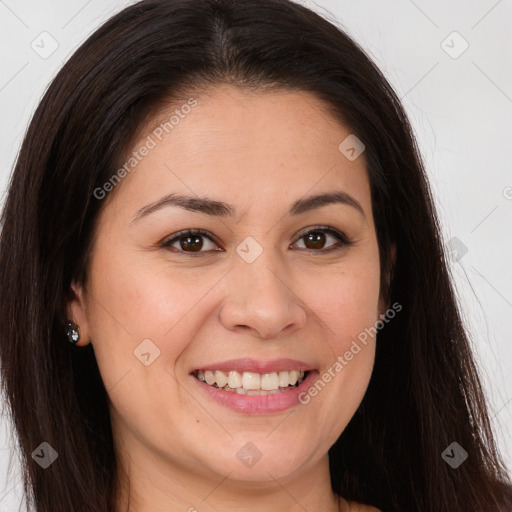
72 332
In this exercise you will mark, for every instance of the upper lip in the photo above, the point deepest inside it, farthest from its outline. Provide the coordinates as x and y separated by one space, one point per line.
253 365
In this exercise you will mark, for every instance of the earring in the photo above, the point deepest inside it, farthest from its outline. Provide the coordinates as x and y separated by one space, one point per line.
72 332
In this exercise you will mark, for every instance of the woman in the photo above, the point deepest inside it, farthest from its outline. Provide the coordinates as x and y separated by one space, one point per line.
221 207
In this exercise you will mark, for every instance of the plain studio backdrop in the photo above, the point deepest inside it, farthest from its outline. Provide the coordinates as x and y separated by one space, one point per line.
451 64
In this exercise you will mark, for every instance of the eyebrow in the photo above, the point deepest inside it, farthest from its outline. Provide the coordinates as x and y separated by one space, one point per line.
221 209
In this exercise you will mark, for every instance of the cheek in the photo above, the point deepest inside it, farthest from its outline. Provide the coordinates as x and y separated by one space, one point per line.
348 317
346 306
137 317
345 299
134 301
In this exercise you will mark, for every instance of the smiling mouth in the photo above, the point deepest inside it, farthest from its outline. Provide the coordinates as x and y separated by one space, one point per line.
251 383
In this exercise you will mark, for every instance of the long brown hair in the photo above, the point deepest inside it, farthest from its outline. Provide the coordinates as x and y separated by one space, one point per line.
424 393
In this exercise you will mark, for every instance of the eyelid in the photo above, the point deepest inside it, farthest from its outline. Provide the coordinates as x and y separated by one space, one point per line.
328 229
191 232
344 240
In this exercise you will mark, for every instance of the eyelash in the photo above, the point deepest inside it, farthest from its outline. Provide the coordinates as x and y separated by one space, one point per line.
342 238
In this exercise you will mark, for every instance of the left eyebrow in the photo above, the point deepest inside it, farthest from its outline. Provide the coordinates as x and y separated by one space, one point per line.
221 209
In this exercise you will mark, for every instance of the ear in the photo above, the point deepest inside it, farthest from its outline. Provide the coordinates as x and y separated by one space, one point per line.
384 299
77 313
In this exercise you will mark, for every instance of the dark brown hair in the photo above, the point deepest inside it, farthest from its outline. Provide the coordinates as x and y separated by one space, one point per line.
424 393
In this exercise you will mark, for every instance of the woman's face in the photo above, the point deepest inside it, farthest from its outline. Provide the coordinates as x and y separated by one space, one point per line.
254 299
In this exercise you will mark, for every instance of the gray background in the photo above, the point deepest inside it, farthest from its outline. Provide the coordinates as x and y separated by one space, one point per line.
459 103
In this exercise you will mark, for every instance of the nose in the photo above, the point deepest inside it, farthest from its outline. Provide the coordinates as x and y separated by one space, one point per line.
261 300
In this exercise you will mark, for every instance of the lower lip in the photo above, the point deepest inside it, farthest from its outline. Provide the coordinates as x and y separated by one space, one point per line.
258 404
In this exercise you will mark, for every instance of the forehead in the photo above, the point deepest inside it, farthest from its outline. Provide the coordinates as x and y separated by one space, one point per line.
245 120
242 147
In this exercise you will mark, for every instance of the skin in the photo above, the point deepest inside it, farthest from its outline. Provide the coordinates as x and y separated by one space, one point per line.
259 152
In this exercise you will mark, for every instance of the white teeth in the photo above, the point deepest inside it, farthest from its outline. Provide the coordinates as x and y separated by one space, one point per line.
283 379
251 383
260 392
221 379
234 380
209 377
294 377
251 380
269 381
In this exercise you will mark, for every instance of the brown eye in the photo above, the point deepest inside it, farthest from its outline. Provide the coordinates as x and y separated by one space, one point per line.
315 239
190 241
194 243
